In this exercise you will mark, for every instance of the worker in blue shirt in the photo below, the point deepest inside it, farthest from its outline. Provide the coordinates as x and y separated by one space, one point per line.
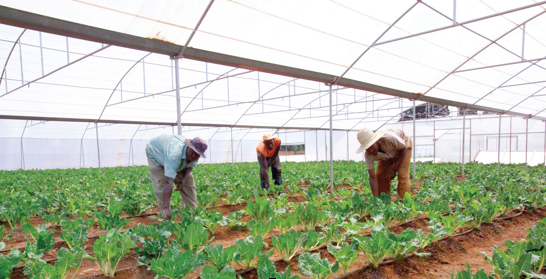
169 158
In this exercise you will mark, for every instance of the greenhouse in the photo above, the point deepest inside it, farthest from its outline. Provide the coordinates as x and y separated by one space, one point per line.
87 84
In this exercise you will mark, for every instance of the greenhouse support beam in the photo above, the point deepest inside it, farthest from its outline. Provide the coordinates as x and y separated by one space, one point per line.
526 139
98 147
22 149
462 152
316 142
37 22
414 147
545 143
498 149
177 81
434 142
331 146
470 141
510 143
232 162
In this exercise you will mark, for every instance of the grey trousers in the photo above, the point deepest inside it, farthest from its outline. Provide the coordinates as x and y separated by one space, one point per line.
186 188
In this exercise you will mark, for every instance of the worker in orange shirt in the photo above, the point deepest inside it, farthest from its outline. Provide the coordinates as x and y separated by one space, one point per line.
268 156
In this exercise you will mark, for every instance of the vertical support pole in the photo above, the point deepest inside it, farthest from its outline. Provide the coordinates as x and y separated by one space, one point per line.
545 143
414 146
316 143
178 110
98 148
498 149
232 162
470 141
304 147
21 60
22 149
331 146
454 12
462 152
523 44
434 142
144 76
41 54
510 143
526 139
67 52
347 146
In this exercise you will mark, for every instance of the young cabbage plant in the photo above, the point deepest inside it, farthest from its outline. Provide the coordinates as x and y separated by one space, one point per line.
8 262
248 249
467 274
113 219
174 264
315 240
266 268
44 242
451 223
233 221
211 219
310 215
194 238
505 266
154 240
74 232
289 243
312 265
376 247
285 222
260 227
220 257
261 209
211 272
345 255
109 249
67 260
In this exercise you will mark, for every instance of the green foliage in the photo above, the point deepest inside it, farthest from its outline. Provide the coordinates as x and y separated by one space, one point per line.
310 215
315 240
133 200
233 221
177 265
266 269
376 247
44 242
8 262
109 249
195 237
261 209
112 220
210 272
67 260
467 274
248 249
211 219
289 243
312 265
220 257
345 255
74 232
286 222
261 227
154 238
451 223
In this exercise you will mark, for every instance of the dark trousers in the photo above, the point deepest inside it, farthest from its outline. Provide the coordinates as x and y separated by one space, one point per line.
275 171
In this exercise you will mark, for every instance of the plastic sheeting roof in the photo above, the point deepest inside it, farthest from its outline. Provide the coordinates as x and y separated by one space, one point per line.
487 53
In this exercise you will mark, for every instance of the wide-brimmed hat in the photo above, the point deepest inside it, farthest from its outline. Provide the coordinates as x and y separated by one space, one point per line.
268 137
367 137
198 145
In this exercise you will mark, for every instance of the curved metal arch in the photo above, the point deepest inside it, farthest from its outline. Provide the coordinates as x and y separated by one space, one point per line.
481 50
119 82
244 113
368 115
11 51
209 83
56 70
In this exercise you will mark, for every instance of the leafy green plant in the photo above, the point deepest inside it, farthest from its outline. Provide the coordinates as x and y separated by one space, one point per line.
404 243
211 219
467 274
14 211
376 247
261 227
233 221
261 209
266 269
210 272
177 265
285 222
345 255
44 242
483 211
112 220
109 249
315 240
451 223
248 249
220 257
289 243
505 266
195 237
67 260
133 201
8 262
54 218
312 265
74 232
154 239
310 215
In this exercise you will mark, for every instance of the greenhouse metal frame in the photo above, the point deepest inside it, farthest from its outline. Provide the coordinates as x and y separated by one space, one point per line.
506 66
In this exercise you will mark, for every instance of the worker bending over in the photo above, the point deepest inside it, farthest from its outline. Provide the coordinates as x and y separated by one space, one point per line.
170 160
392 149
268 156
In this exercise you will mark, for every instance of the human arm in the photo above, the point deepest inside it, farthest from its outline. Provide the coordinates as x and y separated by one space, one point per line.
167 192
373 182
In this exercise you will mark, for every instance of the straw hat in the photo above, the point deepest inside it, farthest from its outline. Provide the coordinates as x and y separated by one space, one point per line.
367 137
268 137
